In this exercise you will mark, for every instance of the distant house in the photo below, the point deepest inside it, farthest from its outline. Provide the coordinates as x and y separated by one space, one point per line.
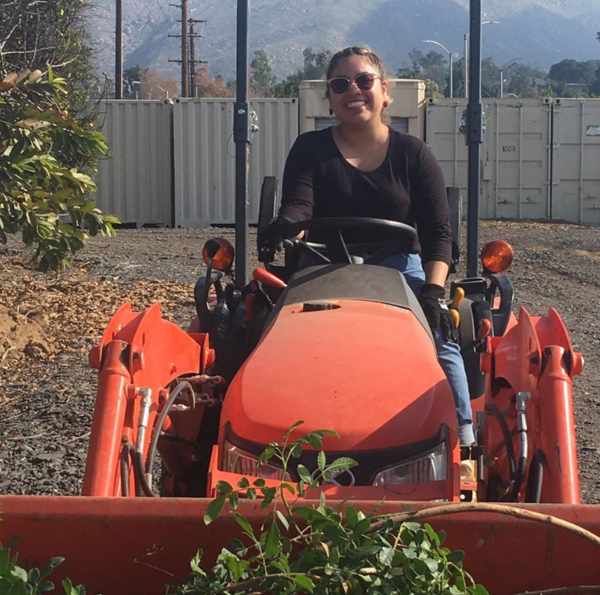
539 84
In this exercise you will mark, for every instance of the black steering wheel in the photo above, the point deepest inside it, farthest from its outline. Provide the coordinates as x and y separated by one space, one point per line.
396 237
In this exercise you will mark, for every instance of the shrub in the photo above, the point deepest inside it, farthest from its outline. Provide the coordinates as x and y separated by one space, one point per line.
46 162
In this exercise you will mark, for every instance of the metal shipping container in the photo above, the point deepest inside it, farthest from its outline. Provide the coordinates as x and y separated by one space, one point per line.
135 183
204 156
515 154
576 164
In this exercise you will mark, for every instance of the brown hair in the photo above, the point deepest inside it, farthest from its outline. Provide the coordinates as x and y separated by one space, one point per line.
365 52
370 56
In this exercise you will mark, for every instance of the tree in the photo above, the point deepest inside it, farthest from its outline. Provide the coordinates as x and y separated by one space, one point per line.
153 85
46 158
263 78
35 33
572 71
48 146
208 87
315 67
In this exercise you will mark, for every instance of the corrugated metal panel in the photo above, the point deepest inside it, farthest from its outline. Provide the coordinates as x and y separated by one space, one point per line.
135 183
204 156
516 158
576 191
446 142
515 154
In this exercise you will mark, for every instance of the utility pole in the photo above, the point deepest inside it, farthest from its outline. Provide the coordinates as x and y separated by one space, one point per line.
193 36
184 61
119 52
185 89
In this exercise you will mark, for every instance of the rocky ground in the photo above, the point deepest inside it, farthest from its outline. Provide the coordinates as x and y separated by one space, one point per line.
48 322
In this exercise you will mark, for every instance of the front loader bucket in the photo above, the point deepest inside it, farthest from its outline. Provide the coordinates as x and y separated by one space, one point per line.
134 546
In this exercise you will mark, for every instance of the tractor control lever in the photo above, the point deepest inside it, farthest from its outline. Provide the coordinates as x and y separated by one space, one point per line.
459 296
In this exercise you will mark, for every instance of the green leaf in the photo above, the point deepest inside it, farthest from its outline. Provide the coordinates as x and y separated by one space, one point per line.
386 556
18 588
341 464
315 440
243 483
455 557
321 460
478 590
33 576
282 519
214 510
243 523
265 456
304 473
287 435
19 573
45 586
223 487
288 487
4 560
272 542
351 516
233 500
304 582
362 526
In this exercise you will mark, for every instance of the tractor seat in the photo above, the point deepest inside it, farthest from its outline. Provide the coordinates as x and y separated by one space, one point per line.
350 282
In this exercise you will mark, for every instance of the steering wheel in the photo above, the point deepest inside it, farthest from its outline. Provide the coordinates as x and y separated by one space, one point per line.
334 249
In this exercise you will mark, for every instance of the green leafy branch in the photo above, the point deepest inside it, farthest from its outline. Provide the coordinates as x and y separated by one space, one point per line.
321 549
15 580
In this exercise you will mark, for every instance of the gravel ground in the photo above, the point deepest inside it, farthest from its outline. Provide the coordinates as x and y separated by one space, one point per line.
49 322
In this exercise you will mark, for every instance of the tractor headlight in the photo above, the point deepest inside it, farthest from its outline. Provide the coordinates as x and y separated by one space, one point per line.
236 460
431 466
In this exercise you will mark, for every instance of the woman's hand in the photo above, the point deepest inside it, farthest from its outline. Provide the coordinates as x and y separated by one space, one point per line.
436 311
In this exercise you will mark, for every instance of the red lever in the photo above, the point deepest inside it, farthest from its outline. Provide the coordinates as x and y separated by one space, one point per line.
485 328
267 278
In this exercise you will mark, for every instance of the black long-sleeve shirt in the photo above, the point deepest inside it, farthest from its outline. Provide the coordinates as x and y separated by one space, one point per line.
408 187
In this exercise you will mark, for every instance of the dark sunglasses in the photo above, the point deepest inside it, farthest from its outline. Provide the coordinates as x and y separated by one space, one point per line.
340 84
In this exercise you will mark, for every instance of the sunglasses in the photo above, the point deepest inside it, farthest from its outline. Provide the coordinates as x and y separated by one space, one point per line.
340 84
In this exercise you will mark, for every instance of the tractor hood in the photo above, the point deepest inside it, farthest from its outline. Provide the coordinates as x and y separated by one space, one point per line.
367 370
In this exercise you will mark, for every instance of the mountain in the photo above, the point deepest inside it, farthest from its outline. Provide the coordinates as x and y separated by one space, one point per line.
540 32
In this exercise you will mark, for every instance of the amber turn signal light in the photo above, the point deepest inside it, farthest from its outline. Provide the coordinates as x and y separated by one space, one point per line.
221 251
496 256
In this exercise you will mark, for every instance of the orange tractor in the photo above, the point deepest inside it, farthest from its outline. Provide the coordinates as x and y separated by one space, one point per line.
341 345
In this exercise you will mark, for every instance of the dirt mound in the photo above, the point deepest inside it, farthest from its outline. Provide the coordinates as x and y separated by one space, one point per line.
22 336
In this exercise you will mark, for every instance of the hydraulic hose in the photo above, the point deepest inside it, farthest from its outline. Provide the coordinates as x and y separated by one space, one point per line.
158 428
523 446
510 451
536 478
141 485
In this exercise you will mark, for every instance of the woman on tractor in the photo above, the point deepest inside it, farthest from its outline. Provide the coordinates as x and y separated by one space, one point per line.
364 168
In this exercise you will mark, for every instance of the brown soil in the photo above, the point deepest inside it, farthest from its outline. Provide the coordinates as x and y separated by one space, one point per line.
49 322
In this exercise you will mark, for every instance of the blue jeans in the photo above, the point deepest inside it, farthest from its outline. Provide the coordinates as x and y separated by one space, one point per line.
448 352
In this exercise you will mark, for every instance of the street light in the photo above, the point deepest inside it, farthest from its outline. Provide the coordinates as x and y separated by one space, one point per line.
467 55
502 68
450 54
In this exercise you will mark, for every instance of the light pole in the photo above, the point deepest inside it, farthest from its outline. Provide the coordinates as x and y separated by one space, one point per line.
467 56
502 68
450 54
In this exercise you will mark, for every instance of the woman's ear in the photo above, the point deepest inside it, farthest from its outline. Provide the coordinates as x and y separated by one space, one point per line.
385 88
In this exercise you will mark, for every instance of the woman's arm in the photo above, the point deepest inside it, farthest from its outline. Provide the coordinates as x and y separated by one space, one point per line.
297 190
436 272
